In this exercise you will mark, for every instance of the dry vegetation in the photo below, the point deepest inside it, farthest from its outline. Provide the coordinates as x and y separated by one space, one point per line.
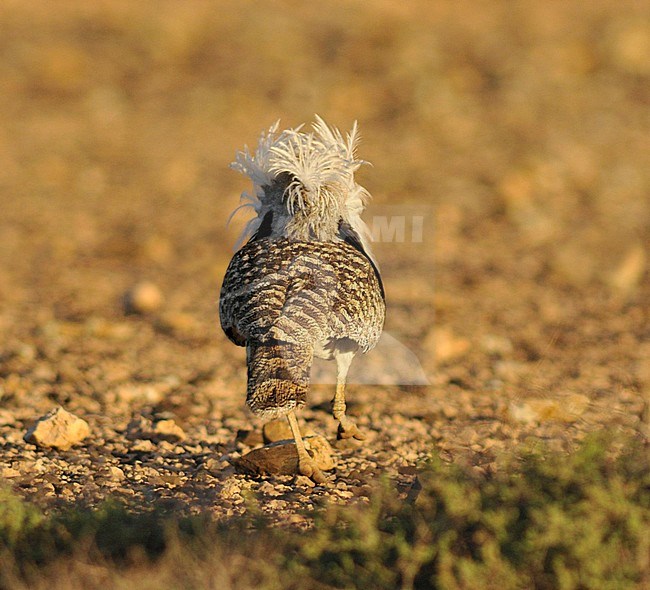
519 132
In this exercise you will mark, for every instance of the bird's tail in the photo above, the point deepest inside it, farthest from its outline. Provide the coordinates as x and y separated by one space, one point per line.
278 377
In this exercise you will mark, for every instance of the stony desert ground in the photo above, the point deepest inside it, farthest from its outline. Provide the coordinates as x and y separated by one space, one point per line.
510 145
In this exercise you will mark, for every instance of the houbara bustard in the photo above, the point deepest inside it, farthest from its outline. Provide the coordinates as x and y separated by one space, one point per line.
305 282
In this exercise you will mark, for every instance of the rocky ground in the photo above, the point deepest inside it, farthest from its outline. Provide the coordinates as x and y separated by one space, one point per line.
516 141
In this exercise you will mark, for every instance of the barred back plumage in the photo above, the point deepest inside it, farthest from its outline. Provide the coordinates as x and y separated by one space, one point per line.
305 284
303 294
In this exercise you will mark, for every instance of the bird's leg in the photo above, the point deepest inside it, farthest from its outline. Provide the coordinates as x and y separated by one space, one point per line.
347 427
306 465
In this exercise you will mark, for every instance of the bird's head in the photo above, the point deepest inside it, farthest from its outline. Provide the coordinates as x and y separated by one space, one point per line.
304 185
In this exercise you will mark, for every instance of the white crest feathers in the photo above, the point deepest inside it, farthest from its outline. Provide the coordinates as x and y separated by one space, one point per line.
317 189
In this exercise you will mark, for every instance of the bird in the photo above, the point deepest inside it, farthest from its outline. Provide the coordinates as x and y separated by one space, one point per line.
303 281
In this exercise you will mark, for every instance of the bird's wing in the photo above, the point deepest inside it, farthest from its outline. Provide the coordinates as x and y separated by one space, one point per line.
265 294
301 292
357 307
252 297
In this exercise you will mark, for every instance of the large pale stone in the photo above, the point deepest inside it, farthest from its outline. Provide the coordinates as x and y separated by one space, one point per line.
58 429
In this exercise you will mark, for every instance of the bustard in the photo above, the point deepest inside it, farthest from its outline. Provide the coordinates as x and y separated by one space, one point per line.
305 283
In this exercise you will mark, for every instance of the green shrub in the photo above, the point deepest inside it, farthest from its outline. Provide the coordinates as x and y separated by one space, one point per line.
544 520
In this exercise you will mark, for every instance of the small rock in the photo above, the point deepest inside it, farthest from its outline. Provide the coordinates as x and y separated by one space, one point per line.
509 370
346 494
251 438
9 473
147 393
137 427
282 457
449 412
303 481
268 488
116 473
231 489
522 413
277 430
216 463
58 429
354 475
144 297
276 505
7 418
321 451
168 430
162 430
444 345
143 446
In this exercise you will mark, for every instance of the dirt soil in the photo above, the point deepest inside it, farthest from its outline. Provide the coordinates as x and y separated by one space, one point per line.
510 142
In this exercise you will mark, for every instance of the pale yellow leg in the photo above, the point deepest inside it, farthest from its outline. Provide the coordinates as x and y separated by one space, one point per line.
347 427
306 465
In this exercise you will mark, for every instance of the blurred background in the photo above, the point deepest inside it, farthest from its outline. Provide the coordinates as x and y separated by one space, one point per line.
517 132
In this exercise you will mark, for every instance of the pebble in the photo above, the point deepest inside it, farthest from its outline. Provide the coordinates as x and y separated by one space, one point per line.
161 430
147 393
9 473
231 489
303 481
168 430
277 505
143 446
144 297
116 473
276 430
7 418
444 345
268 488
321 450
450 412
344 493
250 438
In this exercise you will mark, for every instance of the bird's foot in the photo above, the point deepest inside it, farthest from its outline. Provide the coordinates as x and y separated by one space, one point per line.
348 429
308 468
